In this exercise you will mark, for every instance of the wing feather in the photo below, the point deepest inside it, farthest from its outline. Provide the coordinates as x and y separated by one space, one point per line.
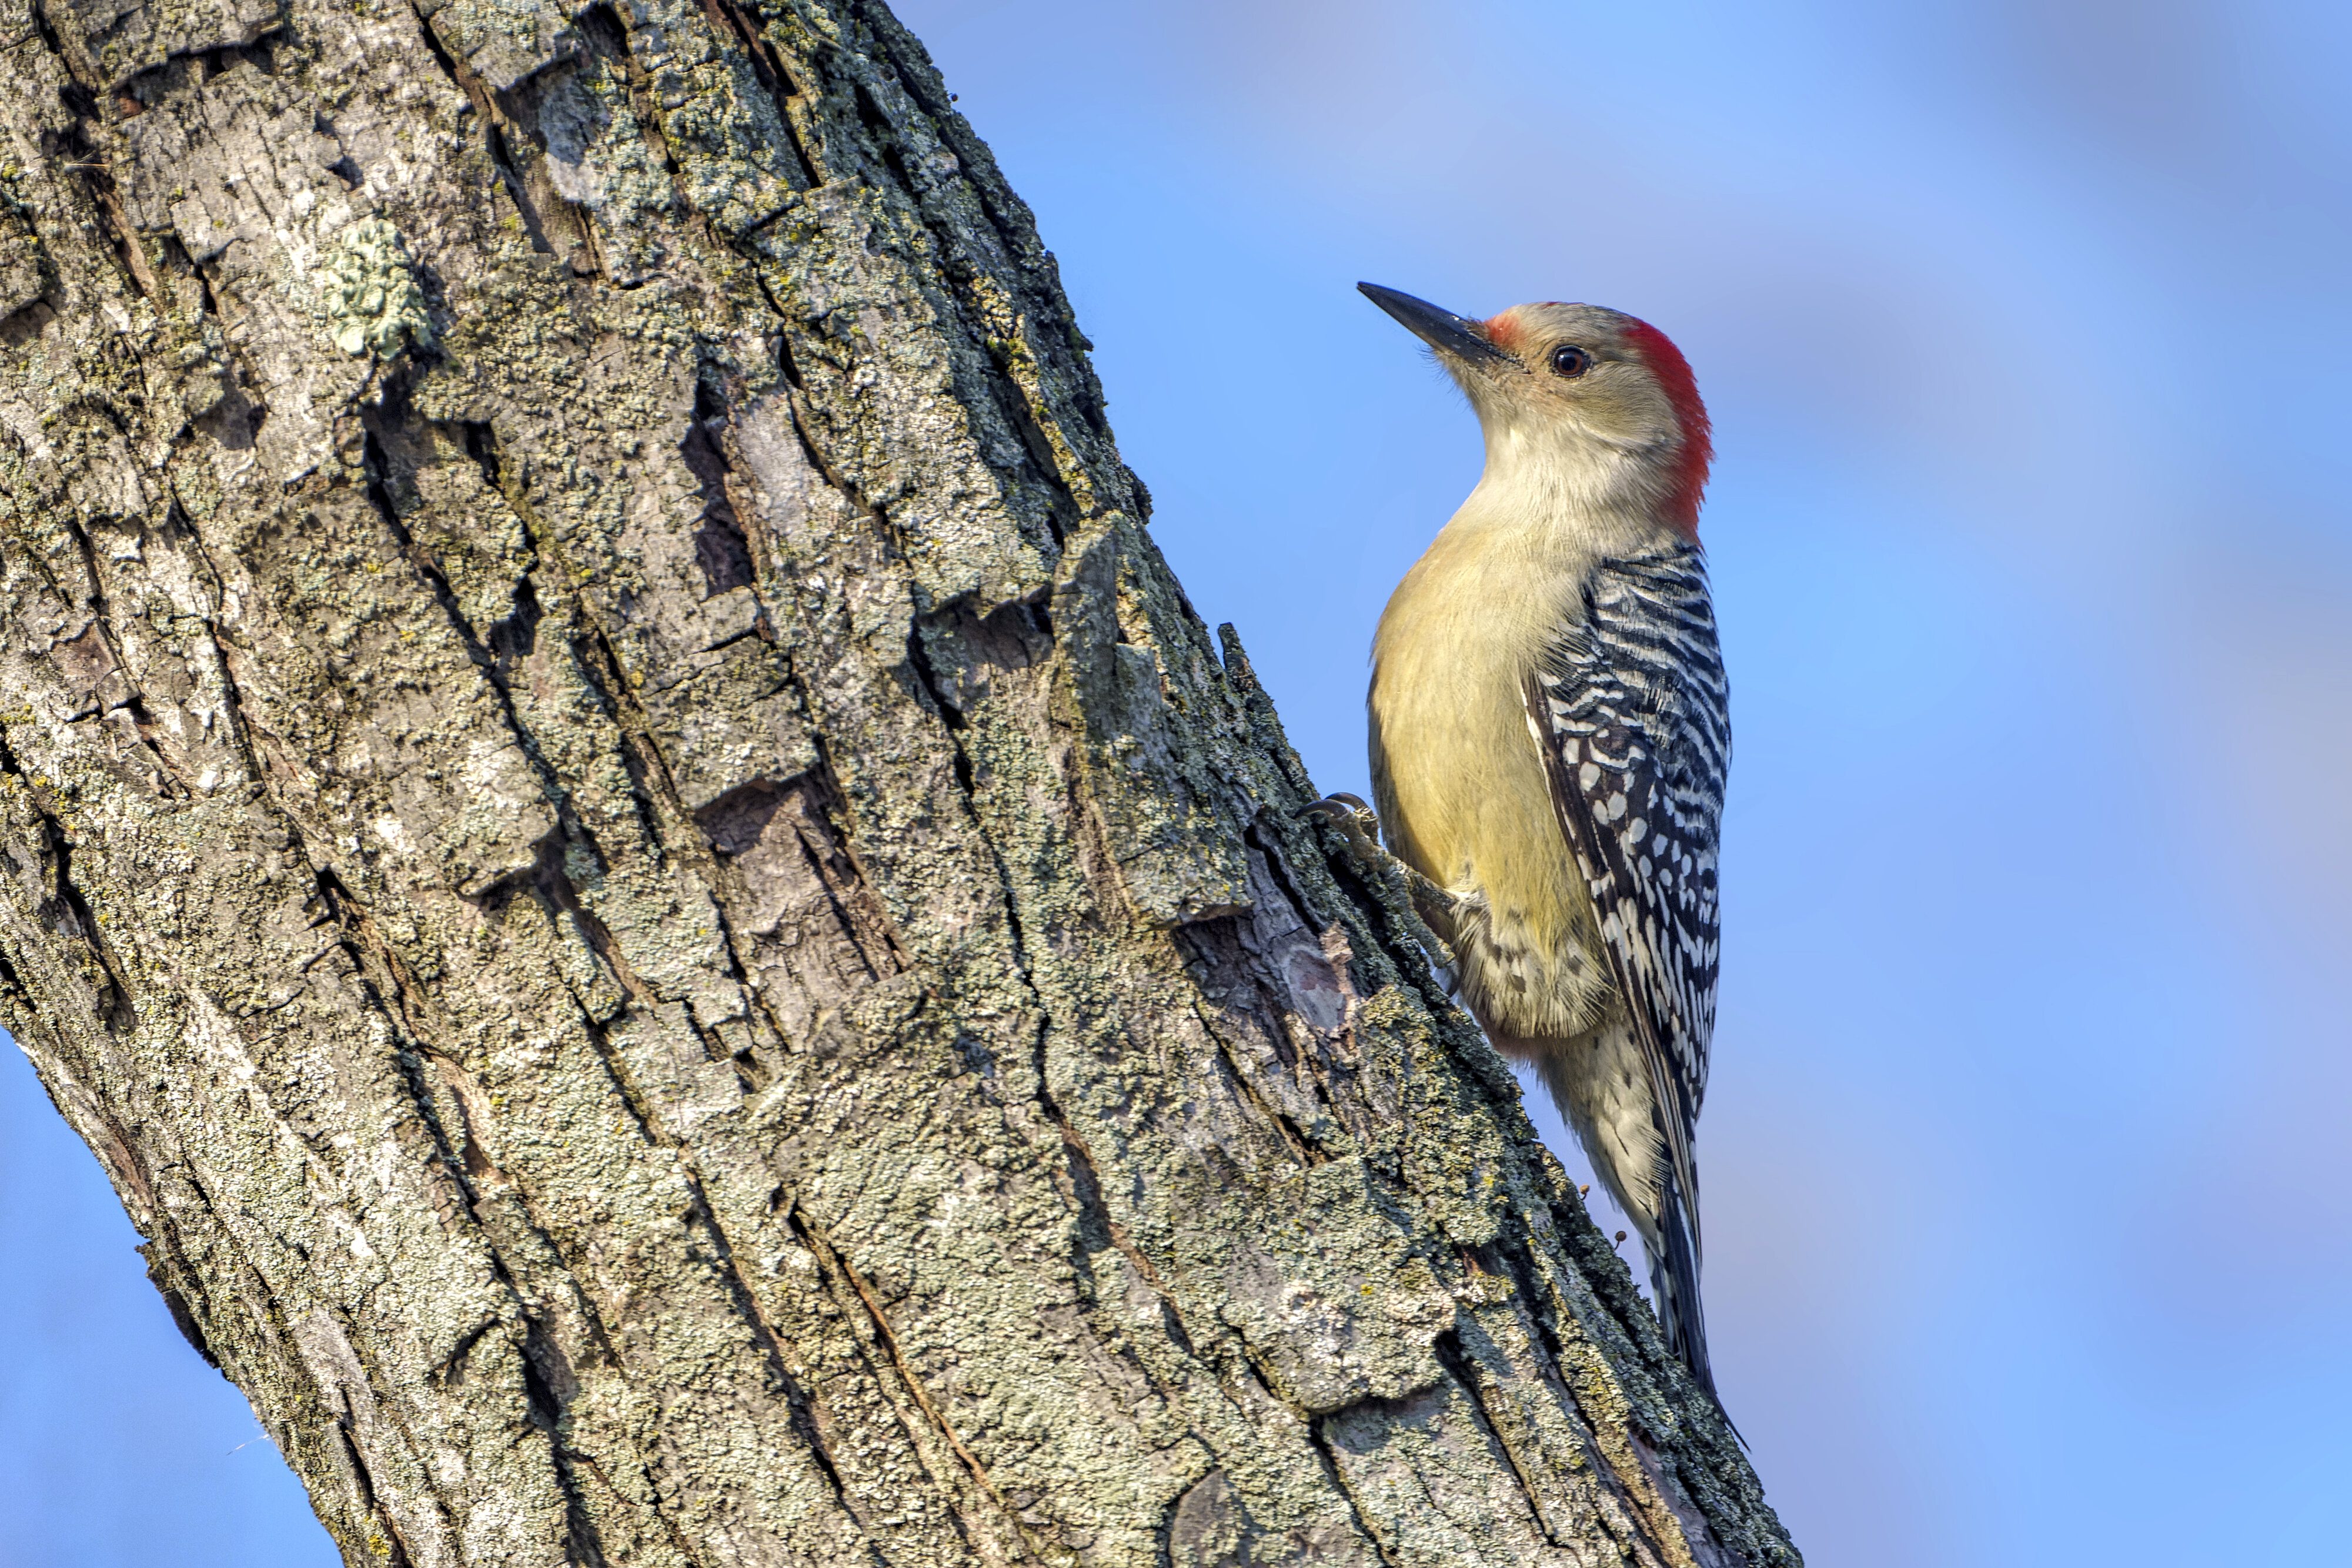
1631 715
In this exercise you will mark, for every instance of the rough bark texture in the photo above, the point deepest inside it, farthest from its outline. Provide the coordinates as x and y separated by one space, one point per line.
647 889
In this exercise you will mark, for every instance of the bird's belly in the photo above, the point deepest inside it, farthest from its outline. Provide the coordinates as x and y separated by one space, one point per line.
1465 801
1522 983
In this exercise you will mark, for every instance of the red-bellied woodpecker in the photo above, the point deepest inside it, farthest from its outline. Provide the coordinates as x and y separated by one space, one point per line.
1549 739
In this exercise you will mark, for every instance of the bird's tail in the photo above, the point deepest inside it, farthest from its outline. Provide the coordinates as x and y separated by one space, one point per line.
1674 1282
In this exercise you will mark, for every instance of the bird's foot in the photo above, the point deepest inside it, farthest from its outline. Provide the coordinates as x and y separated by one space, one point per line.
1354 822
1359 829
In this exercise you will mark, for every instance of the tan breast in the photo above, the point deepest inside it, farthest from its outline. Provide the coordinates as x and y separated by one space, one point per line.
1460 785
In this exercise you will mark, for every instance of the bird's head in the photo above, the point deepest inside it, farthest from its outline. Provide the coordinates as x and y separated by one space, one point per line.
1577 398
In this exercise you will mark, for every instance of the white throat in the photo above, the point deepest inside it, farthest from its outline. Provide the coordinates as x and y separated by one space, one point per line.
1567 484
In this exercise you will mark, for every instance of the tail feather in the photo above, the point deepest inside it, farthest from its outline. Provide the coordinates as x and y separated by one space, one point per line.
1612 1132
1674 1282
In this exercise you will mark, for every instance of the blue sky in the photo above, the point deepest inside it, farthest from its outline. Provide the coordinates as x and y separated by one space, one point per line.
2025 328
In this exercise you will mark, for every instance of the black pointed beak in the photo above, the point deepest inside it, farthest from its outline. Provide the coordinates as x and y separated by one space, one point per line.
1456 336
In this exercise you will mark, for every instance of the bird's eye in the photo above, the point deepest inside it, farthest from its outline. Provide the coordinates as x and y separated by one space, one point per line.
1570 360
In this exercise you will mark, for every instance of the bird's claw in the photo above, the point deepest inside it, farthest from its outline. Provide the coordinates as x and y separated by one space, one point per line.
1354 822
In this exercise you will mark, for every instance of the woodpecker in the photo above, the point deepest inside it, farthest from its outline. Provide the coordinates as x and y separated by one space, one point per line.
1549 739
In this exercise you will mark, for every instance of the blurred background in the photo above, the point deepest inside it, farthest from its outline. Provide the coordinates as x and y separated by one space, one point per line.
2026 325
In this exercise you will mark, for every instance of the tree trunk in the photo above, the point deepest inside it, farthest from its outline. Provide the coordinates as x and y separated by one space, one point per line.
650 891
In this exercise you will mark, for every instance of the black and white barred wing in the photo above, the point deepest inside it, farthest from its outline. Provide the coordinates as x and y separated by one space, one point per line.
1631 715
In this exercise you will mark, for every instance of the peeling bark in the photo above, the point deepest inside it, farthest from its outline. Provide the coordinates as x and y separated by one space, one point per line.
682 948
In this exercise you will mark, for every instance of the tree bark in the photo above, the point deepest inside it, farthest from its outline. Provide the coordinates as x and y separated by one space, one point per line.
684 949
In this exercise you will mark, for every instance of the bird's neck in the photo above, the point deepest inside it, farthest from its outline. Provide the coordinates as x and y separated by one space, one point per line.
1575 496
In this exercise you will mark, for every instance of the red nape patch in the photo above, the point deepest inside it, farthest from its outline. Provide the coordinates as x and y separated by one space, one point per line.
1675 378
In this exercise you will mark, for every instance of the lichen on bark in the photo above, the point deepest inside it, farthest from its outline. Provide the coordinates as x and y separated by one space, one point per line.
368 289
682 948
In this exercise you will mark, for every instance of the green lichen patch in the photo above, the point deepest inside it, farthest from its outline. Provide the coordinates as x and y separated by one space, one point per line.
369 289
